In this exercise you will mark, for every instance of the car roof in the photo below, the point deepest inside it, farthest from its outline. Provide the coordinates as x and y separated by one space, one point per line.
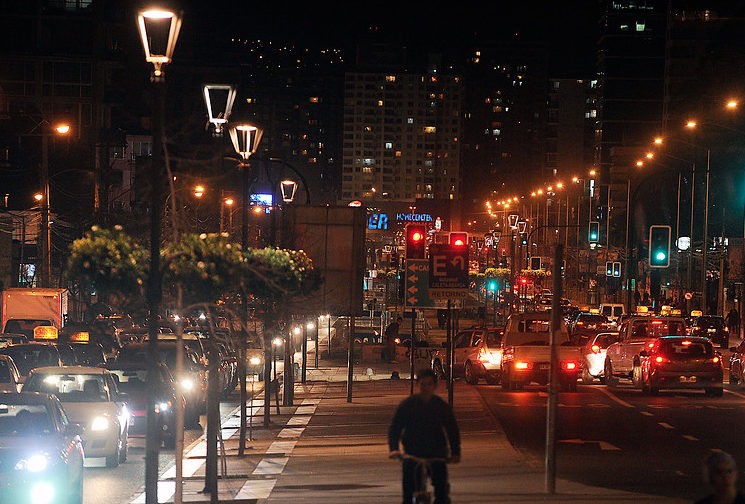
24 397
71 369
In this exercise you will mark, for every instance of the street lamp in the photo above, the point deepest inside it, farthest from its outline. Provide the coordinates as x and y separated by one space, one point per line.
159 31
214 96
288 188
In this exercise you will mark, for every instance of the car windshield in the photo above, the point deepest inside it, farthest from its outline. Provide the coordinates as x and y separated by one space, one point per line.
533 326
656 328
493 338
25 420
25 326
88 355
129 380
70 387
28 357
686 349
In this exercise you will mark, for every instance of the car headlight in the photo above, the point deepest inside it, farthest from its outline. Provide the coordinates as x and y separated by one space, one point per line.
255 361
162 407
42 493
35 463
100 423
187 384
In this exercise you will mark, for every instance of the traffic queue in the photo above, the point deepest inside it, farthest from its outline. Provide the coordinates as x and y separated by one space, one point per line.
67 395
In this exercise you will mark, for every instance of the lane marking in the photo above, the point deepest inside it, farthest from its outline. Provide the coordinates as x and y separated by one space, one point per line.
307 409
282 447
646 413
298 420
616 399
291 432
166 489
690 438
271 466
739 394
665 425
601 444
189 465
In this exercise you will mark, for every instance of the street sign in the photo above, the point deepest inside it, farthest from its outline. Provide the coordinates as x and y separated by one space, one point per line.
416 284
688 296
448 271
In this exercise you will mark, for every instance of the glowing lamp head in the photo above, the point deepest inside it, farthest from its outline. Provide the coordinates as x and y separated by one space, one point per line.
62 129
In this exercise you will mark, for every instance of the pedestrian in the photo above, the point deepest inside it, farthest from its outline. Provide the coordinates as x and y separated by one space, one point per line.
733 323
720 471
637 297
442 316
645 300
391 337
425 426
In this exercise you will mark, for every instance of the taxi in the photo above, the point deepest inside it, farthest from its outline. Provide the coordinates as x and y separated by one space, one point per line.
90 397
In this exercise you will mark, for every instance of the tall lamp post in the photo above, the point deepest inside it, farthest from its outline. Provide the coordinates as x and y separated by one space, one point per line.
246 140
159 31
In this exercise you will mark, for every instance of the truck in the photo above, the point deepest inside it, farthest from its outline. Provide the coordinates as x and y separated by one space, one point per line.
622 359
526 352
23 309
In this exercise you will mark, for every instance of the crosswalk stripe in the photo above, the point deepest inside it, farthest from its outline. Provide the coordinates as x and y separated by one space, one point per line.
273 465
281 447
166 489
291 432
256 489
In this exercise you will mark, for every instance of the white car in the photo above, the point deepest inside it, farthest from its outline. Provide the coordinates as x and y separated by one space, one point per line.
90 397
10 378
594 356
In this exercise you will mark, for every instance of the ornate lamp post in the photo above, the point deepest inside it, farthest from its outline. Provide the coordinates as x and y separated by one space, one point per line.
246 140
159 31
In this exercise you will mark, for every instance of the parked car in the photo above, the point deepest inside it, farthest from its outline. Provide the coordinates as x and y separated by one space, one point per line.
737 364
41 451
594 356
132 378
682 362
90 398
711 327
10 377
477 354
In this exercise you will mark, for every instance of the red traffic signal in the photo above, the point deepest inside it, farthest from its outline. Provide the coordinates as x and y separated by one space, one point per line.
415 241
458 239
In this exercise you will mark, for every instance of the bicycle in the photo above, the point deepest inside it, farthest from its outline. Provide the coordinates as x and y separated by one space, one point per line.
423 489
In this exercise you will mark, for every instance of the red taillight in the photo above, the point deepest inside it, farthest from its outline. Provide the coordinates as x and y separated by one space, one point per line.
657 322
569 366
521 365
580 323
650 345
660 359
715 359
595 349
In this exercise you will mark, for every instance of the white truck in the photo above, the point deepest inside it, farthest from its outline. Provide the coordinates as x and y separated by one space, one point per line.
636 334
526 353
24 309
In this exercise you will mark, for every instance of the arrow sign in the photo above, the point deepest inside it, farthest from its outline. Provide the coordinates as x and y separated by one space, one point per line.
413 279
412 290
448 271
458 260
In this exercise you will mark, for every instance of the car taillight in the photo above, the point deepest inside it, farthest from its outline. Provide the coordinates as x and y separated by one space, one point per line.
660 359
580 323
522 365
490 357
569 366
726 329
595 349
714 360
650 345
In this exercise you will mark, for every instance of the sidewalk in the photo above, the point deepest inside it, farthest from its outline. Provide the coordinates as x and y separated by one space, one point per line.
324 449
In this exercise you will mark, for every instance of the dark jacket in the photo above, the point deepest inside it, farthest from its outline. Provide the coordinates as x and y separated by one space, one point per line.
425 428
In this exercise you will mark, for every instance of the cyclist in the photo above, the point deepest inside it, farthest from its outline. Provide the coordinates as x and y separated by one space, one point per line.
425 425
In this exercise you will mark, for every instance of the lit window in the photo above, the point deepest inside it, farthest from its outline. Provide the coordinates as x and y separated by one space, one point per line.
380 103
398 153
640 26
249 100
496 132
430 129
410 120
314 99
389 145
390 78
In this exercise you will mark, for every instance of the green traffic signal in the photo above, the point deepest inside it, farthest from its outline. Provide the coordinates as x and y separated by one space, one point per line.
594 233
659 246
492 285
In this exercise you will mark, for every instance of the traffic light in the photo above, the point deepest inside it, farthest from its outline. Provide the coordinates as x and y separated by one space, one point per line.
524 238
594 235
609 269
415 241
458 239
496 235
535 263
659 246
616 269
491 285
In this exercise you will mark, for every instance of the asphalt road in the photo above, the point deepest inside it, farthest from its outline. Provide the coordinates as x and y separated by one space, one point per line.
621 439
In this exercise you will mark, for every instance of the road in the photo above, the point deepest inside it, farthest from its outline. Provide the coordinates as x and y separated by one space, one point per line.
618 438
118 485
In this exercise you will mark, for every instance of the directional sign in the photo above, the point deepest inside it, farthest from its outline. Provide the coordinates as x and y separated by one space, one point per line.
416 286
448 271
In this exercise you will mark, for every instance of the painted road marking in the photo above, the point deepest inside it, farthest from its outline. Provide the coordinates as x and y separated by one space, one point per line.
690 438
602 444
614 398
665 425
268 466
256 489
646 413
166 489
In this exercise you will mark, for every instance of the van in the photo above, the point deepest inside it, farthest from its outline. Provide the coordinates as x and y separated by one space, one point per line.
612 311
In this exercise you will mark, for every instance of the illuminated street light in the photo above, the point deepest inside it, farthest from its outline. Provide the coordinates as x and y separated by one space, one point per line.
153 24
732 104
38 196
245 138
691 124
229 201
199 191
592 173
639 163
63 129
288 188
658 141
219 99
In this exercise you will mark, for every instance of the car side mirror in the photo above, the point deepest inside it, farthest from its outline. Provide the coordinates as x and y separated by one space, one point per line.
74 429
122 397
643 353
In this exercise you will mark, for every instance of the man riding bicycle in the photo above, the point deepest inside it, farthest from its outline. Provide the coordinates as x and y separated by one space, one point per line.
425 425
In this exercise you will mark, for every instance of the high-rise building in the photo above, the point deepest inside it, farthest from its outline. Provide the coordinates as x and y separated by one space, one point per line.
401 136
572 111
